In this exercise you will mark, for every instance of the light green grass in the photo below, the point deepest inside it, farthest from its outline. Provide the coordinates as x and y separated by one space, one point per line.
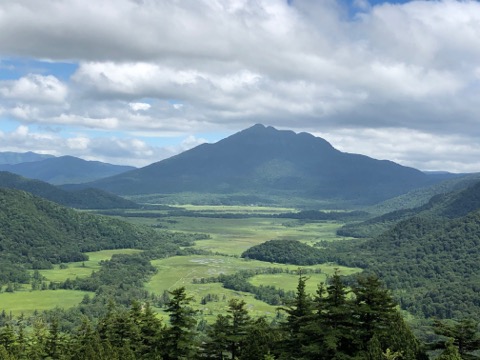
234 236
180 271
28 301
238 209
290 281
82 269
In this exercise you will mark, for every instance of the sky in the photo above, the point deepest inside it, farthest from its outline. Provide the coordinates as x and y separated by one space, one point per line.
133 82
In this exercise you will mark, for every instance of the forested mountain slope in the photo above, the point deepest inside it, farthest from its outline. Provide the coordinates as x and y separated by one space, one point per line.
265 160
451 205
432 263
418 197
37 233
64 170
428 256
81 199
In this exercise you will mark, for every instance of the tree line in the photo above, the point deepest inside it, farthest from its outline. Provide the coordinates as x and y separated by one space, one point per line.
338 322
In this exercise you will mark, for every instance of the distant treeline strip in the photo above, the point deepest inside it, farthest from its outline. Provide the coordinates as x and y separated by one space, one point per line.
301 215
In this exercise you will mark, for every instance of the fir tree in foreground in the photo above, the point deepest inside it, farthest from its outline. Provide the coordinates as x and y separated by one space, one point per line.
339 323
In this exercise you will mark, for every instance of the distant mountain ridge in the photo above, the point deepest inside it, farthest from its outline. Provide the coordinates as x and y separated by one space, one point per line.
266 160
11 158
81 199
64 170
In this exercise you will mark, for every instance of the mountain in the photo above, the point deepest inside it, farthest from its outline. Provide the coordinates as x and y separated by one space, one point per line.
81 199
421 196
39 233
451 205
17 158
431 263
64 169
264 160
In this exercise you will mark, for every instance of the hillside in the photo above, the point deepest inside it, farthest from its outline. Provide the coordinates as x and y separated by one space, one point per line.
451 205
432 264
421 196
263 160
36 233
64 170
80 199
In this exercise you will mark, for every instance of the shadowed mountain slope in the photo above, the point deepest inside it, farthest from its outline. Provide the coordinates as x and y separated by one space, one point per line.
65 170
39 233
80 199
265 160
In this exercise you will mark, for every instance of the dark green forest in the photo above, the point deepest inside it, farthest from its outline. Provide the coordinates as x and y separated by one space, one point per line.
338 322
88 198
35 234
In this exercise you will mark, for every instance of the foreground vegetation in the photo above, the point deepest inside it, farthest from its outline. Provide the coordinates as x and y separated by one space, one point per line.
333 324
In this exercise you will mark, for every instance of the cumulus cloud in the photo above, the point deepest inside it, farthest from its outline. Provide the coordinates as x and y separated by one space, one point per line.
34 88
139 106
157 67
115 150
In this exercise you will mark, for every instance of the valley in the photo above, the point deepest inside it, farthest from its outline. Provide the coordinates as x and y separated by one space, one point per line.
227 239
289 239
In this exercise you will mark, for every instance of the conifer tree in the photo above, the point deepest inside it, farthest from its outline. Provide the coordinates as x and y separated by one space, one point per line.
180 336
217 343
464 334
238 321
299 312
337 318
374 307
450 352
259 340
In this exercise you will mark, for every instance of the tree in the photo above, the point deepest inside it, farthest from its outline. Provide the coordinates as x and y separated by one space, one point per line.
463 333
238 319
337 318
299 313
217 343
259 340
179 337
450 352
374 306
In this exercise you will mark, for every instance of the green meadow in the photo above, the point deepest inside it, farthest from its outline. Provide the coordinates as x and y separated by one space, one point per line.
233 236
82 269
180 271
229 238
27 302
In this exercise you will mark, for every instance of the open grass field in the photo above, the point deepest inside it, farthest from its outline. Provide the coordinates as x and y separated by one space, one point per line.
234 236
228 236
180 271
82 269
27 302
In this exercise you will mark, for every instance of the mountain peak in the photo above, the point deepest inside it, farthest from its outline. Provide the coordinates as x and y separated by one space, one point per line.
262 159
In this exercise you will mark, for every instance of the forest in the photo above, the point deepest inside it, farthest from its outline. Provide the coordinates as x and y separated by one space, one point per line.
360 321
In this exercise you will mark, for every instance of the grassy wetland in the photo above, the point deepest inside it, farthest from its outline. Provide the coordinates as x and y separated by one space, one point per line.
231 230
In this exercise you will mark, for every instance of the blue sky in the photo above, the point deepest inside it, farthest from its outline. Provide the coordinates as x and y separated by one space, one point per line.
134 82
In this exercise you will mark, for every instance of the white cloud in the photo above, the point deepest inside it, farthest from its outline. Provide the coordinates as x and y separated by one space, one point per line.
158 67
34 88
138 106
416 149
113 150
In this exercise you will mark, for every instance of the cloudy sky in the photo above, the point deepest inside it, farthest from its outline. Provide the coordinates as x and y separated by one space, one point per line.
136 81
